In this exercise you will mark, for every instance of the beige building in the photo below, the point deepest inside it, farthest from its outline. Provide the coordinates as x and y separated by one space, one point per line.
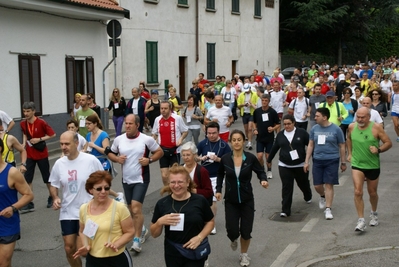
171 41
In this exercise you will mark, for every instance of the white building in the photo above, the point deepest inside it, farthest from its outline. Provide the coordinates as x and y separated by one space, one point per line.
174 40
51 49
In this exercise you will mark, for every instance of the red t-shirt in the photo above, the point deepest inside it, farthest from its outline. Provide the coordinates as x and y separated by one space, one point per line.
324 88
38 129
291 96
258 79
145 95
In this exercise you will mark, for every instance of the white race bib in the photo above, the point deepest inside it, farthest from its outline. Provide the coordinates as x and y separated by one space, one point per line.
180 225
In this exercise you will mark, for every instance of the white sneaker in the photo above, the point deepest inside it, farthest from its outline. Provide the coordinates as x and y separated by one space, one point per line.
282 214
309 201
374 219
322 203
213 232
120 198
144 234
269 175
234 245
328 214
136 245
361 225
244 259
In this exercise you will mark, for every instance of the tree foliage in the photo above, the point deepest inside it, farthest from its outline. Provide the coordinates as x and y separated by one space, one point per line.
328 26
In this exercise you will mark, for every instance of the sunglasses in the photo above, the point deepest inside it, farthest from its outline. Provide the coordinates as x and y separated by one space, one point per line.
115 91
99 189
353 80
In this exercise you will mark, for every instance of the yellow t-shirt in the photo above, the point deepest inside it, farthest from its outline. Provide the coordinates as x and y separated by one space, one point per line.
175 103
104 220
309 85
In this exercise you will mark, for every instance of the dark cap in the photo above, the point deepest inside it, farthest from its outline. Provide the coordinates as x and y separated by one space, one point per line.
330 93
154 91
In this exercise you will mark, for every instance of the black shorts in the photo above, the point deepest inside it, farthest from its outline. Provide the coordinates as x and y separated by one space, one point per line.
135 192
69 227
264 147
9 239
371 174
170 157
246 118
44 167
122 260
239 219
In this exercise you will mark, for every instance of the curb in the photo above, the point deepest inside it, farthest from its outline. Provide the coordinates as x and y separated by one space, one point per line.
346 254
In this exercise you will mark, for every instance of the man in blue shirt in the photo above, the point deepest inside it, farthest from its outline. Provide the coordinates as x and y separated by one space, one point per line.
327 146
210 150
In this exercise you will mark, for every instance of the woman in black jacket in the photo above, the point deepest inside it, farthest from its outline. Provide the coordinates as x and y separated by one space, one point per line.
292 144
237 168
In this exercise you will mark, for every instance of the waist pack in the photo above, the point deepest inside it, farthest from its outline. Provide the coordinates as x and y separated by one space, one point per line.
41 146
169 151
203 250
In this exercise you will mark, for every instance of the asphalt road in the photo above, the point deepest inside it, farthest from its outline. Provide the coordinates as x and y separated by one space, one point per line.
312 241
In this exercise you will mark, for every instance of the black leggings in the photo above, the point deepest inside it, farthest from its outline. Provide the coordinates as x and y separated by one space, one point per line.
122 260
180 261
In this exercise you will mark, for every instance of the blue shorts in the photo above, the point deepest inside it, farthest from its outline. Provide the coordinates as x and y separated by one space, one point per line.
262 147
246 118
4 240
325 171
69 227
394 114
135 192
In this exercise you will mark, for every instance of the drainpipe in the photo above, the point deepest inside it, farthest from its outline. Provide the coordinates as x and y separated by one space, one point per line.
196 30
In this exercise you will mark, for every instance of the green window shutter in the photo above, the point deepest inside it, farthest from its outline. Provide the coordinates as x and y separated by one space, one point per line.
258 11
182 2
235 6
211 60
152 62
210 4
30 81
90 75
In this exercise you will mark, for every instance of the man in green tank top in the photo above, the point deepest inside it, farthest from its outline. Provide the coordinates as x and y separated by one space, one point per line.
364 147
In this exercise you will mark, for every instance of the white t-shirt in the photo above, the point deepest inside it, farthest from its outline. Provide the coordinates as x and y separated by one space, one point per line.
300 108
375 116
5 118
135 106
395 103
70 176
229 96
222 115
134 149
82 142
277 100
386 87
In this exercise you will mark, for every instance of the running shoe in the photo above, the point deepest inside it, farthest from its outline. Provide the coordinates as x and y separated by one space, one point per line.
328 214
234 245
144 234
322 203
361 225
244 259
136 245
374 219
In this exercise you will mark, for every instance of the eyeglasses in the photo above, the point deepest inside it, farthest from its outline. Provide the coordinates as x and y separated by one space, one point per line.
353 80
99 189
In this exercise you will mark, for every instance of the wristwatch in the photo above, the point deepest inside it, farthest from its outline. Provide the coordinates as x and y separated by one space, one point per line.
14 209
23 164
151 160
379 150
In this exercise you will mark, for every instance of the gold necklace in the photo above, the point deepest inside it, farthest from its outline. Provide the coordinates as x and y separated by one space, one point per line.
173 205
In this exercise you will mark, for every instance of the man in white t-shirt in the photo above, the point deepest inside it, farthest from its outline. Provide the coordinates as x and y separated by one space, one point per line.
131 150
374 115
222 115
277 99
300 108
7 121
70 174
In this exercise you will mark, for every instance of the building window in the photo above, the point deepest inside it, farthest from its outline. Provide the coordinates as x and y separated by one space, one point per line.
30 81
152 62
79 78
258 11
182 2
269 3
235 6
210 47
152 1
210 5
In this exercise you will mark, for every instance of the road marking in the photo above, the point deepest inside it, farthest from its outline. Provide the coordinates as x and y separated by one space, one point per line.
309 226
342 180
284 256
